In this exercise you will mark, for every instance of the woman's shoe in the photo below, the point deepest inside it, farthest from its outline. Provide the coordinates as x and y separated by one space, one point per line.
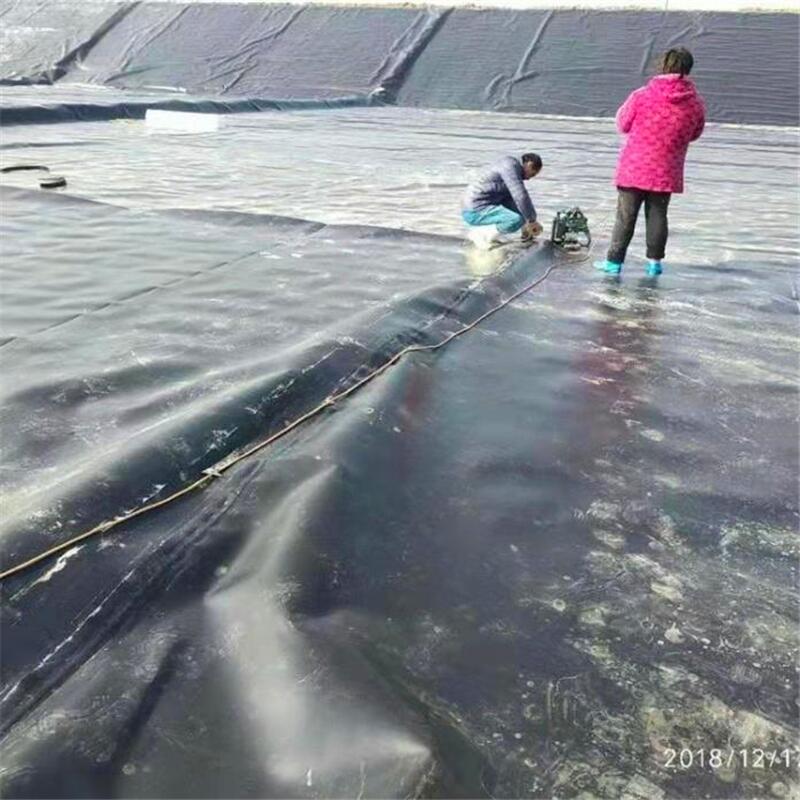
609 267
653 269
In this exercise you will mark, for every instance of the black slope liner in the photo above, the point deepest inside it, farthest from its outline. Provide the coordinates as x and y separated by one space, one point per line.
123 107
572 62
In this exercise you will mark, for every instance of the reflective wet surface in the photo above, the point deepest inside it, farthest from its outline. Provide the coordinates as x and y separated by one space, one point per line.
407 168
557 558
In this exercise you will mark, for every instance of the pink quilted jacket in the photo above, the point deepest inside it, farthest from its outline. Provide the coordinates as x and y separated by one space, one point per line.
661 119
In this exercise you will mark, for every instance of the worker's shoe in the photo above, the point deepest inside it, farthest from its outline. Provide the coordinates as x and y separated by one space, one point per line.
483 236
653 269
609 267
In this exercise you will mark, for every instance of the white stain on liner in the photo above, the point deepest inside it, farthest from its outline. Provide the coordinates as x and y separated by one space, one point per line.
58 566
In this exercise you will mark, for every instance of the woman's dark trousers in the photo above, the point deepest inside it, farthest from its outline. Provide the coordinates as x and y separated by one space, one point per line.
629 201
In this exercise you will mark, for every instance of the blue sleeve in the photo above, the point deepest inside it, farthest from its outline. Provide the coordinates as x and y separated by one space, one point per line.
511 172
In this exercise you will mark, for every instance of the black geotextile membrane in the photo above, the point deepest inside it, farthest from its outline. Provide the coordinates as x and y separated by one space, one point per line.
43 40
584 63
528 564
229 56
258 50
555 558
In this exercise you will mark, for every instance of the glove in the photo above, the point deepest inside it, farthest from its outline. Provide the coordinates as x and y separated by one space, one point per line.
531 230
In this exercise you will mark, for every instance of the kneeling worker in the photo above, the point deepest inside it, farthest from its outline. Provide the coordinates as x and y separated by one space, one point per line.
499 203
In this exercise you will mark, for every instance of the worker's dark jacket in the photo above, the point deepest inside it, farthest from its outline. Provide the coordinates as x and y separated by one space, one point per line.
501 186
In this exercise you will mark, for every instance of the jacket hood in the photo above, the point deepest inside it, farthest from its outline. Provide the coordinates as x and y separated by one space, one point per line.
673 88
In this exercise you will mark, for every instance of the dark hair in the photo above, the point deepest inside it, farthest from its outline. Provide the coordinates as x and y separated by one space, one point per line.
532 158
678 61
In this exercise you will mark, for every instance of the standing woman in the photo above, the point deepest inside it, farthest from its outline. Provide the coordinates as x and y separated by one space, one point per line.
661 119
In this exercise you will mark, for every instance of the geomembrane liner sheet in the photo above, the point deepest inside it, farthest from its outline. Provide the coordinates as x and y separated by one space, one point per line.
41 41
530 564
585 63
260 51
557 557
408 168
553 61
